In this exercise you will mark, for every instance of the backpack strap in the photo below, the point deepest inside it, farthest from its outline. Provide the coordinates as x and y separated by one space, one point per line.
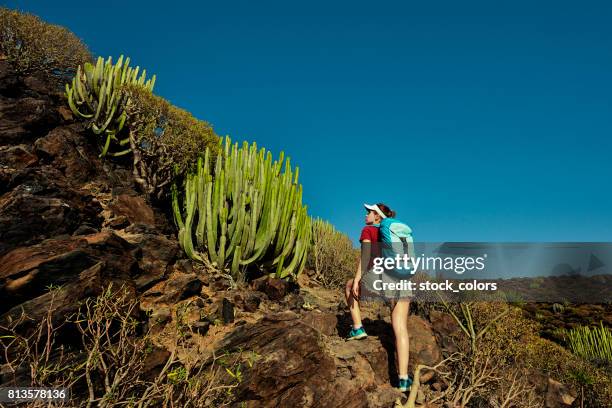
405 245
404 240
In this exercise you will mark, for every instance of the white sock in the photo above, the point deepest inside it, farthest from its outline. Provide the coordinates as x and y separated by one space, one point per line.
403 377
357 327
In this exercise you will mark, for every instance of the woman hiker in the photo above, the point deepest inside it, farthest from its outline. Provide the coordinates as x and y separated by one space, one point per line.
397 300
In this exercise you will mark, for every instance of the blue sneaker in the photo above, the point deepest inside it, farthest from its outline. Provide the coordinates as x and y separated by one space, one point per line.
404 385
360 333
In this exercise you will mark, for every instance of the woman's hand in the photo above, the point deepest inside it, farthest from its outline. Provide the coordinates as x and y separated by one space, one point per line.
356 290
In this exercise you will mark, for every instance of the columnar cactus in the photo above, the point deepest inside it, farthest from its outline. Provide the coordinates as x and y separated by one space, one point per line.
95 94
244 210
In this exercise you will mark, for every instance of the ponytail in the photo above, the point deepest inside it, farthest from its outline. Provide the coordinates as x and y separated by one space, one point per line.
386 210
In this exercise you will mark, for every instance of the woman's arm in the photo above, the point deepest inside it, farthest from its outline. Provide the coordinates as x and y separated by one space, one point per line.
364 259
366 251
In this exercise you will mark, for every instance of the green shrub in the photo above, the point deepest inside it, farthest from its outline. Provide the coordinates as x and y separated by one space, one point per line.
245 211
512 296
332 257
33 46
166 141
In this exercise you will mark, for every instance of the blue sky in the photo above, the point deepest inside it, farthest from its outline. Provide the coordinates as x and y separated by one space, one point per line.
475 121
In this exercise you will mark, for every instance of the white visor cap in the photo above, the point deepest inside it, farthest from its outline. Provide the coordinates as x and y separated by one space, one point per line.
374 207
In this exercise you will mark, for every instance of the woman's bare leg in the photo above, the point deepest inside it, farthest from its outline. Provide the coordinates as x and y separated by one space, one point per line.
399 320
352 303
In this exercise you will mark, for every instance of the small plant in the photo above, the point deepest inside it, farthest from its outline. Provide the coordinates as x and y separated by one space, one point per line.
236 373
514 297
51 287
590 343
534 285
251 357
177 375
558 308
584 379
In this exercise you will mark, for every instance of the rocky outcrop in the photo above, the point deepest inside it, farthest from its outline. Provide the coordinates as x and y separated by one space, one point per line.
157 253
25 118
41 204
60 303
70 223
28 272
298 368
305 363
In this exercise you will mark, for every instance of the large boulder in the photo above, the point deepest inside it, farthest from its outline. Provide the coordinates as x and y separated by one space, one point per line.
302 362
9 80
294 368
178 286
17 157
325 323
445 327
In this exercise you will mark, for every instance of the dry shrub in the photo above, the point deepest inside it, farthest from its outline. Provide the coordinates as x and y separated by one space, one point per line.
332 256
166 140
485 367
106 366
520 345
508 332
31 45
594 384
499 358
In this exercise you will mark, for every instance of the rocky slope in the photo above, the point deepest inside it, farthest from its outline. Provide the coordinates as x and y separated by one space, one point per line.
71 220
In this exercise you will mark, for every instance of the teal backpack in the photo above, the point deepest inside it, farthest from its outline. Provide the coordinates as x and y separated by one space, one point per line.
396 238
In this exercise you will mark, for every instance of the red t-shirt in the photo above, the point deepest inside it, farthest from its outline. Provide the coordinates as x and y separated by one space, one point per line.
370 233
